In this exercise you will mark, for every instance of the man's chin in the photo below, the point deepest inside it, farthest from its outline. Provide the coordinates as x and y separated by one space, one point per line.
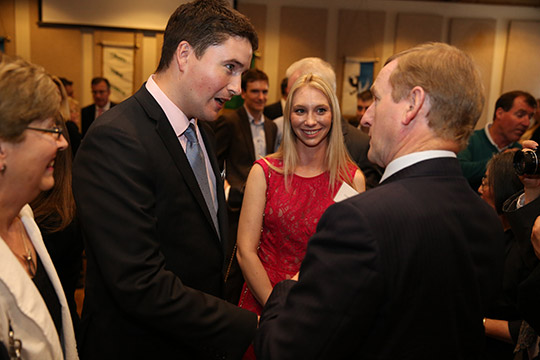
210 116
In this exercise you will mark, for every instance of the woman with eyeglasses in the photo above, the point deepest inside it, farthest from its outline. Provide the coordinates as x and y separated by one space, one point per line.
54 212
35 322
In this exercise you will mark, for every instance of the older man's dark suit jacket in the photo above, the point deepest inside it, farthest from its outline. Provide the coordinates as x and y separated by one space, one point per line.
155 261
88 114
402 271
235 149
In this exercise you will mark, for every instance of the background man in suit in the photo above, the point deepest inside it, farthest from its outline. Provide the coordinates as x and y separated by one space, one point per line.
513 113
101 90
243 136
275 110
405 270
152 206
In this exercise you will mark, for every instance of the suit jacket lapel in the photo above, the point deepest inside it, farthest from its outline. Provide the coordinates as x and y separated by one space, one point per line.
220 192
246 132
269 136
168 136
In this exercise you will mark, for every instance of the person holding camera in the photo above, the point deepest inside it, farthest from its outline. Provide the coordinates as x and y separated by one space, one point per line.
513 112
522 211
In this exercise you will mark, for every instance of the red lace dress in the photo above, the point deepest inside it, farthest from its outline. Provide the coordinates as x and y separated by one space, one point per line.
290 218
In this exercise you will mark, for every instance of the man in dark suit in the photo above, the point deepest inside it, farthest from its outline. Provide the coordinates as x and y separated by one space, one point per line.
245 135
152 207
405 270
101 90
242 137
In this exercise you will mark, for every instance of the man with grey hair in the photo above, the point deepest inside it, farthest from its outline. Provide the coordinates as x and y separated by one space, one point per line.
406 270
357 142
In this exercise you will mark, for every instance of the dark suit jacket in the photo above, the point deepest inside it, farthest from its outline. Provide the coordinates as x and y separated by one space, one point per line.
357 144
155 261
235 149
88 115
403 271
273 111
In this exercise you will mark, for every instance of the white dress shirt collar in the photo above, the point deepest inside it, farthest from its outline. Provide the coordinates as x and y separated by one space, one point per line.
176 117
410 159
488 134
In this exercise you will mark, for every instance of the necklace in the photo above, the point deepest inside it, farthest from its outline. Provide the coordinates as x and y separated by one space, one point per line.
28 258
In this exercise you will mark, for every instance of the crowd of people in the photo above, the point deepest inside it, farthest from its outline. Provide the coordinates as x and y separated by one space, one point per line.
280 231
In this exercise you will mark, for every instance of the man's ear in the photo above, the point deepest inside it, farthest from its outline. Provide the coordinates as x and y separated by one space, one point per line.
416 101
3 146
499 112
3 155
182 53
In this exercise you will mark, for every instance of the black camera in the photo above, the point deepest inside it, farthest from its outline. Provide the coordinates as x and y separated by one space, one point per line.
526 162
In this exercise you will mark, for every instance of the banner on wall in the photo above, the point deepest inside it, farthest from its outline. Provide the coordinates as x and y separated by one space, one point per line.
118 69
357 77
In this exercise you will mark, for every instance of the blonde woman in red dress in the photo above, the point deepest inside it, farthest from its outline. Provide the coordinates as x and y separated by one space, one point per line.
287 192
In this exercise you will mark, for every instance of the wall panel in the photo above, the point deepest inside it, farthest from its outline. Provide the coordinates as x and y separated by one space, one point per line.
361 35
414 29
7 25
302 33
521 70
476 37
257 15
59 50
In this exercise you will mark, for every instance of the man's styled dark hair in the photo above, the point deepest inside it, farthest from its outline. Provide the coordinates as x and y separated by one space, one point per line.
203 23
98 79
506 100
65 81
252 75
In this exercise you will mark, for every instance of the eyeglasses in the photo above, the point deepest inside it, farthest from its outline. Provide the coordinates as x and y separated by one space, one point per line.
54 130
485 182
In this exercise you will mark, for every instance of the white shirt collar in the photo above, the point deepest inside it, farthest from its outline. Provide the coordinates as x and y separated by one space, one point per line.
176 117
488 134
410 159
252 119
106 107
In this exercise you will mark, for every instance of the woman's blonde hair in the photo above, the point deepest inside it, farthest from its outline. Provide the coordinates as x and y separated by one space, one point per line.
337 160
27 93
